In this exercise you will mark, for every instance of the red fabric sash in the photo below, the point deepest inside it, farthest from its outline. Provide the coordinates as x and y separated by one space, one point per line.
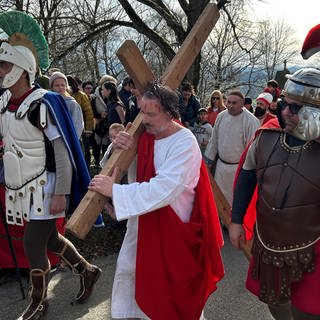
250 216
178 264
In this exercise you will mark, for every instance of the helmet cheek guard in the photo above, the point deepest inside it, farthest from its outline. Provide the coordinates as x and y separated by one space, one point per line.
12 77
303 86
308 127
22 59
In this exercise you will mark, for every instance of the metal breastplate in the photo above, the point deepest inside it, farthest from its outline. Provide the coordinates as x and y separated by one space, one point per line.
289 192
24 162
288 221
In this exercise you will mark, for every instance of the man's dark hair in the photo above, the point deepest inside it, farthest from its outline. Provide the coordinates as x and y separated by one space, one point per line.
168 98
131 83
187 86
125 81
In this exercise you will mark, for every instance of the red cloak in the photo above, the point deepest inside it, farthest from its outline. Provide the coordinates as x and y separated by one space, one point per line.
178 264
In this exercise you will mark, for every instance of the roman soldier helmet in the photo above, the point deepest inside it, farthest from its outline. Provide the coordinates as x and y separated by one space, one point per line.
303 87
22 44
305 83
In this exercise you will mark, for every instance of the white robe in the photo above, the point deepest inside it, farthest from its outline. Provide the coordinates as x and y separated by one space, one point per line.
230 135
177 161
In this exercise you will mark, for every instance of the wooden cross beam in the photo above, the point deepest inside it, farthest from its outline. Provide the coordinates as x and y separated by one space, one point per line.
224 211
88 210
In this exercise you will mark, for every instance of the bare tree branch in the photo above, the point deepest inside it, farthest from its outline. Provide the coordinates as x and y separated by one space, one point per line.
168 16
144 29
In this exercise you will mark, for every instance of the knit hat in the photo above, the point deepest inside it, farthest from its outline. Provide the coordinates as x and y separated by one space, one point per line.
57 75
265 97
107 78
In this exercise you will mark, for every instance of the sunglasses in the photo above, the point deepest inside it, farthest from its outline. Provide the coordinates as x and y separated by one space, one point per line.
215 98
293 107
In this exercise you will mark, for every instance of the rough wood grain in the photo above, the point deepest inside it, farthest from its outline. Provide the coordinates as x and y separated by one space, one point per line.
88 210
224 211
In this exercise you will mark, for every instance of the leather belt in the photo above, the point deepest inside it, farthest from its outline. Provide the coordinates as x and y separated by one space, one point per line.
226 162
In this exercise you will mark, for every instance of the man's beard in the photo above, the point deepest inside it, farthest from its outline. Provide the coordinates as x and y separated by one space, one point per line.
259 112
151 129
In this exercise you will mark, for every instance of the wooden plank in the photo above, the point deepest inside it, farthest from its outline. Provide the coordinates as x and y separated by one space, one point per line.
135 65
83 218
88 210
224 211
191 46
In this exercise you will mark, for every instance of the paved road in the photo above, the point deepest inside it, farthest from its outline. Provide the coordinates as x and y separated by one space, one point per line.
230 302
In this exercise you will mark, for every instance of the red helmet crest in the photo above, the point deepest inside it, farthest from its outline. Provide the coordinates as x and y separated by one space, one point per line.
311 43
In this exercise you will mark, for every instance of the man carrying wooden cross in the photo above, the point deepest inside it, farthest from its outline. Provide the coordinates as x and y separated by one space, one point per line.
170 259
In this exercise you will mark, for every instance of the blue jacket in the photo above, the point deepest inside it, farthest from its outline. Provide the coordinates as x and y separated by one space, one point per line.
189 113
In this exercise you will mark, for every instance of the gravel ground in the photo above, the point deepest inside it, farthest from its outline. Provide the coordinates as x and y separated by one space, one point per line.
100 241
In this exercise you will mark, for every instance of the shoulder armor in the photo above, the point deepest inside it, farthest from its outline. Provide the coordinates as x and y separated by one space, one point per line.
25 105
4 99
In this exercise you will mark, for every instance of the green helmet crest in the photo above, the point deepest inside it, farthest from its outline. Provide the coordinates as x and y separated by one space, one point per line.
21 29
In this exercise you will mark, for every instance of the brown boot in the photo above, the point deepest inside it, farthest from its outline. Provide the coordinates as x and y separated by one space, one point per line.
88 273
38 305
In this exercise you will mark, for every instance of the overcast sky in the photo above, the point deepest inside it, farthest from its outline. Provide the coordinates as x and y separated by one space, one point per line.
301 15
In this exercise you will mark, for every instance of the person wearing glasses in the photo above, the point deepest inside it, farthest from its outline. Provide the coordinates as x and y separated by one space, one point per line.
284 165
233 129
216 105
88 88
